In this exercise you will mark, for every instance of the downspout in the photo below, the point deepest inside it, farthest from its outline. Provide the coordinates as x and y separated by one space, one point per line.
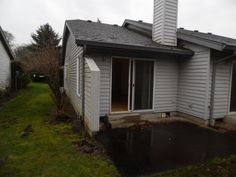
83 83
212 102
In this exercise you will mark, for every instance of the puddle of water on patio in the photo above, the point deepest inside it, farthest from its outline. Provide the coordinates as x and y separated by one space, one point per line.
164 147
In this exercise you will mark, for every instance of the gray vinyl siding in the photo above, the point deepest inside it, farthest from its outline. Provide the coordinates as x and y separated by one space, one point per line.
222 87
165 22
193 88
73 53
87 93
222 90
104 64
5 67
166 85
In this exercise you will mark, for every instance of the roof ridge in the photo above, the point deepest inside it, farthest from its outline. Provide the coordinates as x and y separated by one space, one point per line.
90 21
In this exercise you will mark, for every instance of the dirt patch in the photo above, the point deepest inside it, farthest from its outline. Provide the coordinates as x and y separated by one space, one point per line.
225 127
27 131
87 147
61 117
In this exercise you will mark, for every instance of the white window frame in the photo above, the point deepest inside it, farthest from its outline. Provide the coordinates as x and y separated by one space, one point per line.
78 77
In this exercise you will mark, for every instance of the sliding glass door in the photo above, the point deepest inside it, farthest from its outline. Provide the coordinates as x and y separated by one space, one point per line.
143 85
132 85
233 90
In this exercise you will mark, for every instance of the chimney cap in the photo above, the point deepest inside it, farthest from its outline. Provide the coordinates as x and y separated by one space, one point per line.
140 21
115 25
209 33
89 21
196 31
181 28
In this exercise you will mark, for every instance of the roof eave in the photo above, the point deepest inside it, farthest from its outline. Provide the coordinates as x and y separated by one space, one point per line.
201 41
6 45
230 47
66 32
172 51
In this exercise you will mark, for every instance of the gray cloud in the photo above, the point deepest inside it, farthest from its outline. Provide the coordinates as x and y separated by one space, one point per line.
22 17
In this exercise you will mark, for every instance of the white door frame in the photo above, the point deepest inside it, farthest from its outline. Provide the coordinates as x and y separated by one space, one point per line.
128 109
133 88
230 89
131 85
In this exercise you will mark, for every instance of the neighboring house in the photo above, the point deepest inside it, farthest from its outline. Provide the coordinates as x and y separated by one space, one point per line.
6 56
144 68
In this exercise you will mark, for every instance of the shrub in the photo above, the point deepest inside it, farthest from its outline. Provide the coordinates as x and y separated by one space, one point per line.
23 80
20 79
5 92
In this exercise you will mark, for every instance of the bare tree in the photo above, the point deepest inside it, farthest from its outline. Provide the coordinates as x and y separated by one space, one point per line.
10 38
46 61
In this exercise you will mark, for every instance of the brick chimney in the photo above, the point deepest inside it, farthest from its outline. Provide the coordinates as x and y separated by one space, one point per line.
165 22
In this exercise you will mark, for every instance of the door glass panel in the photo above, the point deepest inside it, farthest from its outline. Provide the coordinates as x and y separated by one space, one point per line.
120 84
143 90
233 90
131 83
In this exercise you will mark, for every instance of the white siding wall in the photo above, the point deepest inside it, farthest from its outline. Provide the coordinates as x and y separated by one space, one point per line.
73 52
222 87
104 64
193 89
87 92
5 68
73 68
92 95
166 85
180 85
222 90
165 22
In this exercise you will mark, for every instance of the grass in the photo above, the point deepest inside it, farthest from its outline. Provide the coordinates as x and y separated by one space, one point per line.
218 167
47 150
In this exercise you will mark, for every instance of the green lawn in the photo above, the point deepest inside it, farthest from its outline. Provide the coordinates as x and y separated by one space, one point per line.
47 151
215 168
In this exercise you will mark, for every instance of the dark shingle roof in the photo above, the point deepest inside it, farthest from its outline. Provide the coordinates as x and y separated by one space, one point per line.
99 32
91 32
206 39
5 44
141 24
221 40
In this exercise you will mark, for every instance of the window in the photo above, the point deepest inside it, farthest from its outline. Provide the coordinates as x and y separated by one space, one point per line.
78 77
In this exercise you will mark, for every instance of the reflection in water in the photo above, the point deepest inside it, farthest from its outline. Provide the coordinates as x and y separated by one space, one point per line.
164 147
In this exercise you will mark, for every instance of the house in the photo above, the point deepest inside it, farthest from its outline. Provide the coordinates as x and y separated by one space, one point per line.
6 56
148 68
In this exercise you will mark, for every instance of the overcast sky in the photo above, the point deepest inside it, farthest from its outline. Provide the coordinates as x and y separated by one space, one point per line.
22 17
